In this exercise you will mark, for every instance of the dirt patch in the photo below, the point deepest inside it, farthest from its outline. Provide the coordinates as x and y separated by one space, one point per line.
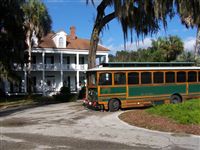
17 122
143 119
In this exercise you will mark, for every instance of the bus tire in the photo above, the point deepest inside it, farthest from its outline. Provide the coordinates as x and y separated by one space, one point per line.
175 99
114 105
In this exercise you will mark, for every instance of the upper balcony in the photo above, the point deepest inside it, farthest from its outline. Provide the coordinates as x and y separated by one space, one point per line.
52 67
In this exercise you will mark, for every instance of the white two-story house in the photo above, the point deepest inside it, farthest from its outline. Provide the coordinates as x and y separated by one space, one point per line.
59 59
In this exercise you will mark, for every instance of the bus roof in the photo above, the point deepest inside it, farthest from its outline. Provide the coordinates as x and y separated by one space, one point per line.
142 68
147 64
131 66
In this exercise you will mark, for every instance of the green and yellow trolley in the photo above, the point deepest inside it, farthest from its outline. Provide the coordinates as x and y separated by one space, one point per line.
112 86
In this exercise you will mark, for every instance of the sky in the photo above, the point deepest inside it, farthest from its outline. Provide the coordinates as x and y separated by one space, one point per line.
66 13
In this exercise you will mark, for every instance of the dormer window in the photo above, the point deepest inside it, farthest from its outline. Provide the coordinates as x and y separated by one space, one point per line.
60 39
61 42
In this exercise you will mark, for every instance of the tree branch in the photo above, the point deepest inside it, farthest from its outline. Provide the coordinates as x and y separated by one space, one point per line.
107 19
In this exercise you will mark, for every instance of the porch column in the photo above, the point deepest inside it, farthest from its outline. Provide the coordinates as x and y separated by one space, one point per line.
61 69
99 60
43 74
25 79
77 72
106 58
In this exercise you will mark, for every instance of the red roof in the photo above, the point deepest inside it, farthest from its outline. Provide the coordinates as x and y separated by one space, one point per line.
77 43
47 41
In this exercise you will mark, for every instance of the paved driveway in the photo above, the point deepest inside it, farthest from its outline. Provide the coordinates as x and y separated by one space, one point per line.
71 126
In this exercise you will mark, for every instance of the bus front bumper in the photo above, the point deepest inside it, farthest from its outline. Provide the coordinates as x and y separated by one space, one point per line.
92 105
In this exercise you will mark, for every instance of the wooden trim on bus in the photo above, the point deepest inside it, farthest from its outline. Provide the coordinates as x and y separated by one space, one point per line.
127 89
154 96
118 94
187 88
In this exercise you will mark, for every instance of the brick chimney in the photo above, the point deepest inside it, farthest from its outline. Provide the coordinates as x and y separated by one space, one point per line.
73 33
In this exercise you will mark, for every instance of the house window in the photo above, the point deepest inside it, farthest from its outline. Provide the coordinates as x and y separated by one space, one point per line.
81 60
34 59
61 42
68 60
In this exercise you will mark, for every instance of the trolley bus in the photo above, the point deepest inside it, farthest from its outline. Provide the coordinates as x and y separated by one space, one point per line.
112 86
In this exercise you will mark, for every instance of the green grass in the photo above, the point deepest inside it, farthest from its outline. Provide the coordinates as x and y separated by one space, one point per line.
184 113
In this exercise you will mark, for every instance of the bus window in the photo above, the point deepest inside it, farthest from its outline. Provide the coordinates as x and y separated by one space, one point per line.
120 78
105 79
133 78
158 77
192 76
146 78
92 78
170 77
181 77
199 76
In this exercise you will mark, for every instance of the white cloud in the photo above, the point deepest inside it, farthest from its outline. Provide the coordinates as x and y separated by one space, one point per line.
110 40
130 46
189 43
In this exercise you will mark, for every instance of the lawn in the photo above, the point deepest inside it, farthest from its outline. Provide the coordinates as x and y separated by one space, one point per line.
187 112
177 118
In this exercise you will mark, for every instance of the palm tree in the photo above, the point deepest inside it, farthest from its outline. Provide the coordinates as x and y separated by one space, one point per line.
168 47
37 22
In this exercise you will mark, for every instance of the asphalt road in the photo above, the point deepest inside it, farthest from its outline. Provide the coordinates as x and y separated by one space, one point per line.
71 126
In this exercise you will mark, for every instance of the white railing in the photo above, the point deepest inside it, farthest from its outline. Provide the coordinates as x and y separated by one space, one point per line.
52 67
37 67
83 67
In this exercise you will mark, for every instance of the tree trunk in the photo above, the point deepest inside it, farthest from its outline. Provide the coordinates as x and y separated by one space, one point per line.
29 82
93 48
197 46
100 22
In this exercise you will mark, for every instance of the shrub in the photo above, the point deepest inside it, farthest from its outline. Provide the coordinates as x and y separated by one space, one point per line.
65 90
65 95
82 93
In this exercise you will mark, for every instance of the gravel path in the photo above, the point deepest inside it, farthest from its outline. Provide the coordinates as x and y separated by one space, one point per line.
71 126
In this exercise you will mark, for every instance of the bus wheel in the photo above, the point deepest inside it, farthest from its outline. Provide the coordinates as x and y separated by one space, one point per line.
175 99
114 105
